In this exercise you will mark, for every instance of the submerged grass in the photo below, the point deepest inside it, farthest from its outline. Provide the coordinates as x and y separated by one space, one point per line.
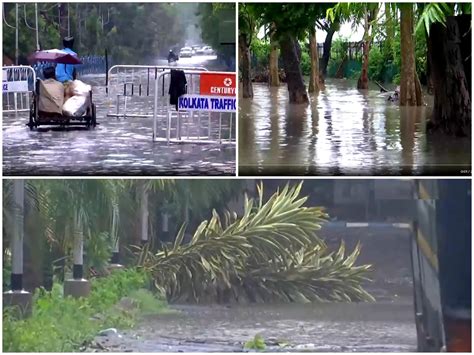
61 324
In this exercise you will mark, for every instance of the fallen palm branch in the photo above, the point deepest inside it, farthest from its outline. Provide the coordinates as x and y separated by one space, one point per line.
271 253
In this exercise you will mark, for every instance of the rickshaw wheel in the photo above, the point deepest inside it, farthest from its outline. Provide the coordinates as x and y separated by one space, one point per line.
32 114
93 121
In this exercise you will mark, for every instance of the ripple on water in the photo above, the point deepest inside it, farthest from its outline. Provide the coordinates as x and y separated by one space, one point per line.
342 129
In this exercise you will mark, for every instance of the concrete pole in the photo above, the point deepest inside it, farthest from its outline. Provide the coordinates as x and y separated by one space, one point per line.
115 260
18 234
78 251
17 296
17 54
77 286
165 226
144 214
37 27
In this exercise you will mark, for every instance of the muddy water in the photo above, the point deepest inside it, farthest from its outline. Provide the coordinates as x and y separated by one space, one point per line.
117 146
342 131
331 327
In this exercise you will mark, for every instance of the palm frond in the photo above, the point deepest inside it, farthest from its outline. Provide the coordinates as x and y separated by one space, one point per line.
272 252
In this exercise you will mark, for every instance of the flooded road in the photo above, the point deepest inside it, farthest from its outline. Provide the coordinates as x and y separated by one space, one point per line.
117 146
342 131
387 325
329 327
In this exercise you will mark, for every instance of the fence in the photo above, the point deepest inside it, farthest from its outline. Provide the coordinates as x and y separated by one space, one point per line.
142 91
210 121
131 89
18 84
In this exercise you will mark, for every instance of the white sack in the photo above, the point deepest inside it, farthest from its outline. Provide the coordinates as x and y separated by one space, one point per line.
76 106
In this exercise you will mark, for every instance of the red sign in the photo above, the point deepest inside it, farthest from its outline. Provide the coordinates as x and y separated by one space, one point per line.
217 84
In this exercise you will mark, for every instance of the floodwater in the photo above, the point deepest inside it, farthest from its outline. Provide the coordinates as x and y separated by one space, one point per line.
117 146
386 325
343 131
327 327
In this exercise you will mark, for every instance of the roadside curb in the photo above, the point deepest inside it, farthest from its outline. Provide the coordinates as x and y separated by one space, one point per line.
366 225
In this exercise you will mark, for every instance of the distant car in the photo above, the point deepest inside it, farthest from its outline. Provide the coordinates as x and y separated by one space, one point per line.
208 50
195 48
186 52
200 50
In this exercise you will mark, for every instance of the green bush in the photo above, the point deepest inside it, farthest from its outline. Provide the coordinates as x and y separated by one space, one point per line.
61 324
305 63
260 51
376 64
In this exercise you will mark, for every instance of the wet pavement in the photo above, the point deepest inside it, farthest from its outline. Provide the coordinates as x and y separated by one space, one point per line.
117 146
327 327
384 326
343 131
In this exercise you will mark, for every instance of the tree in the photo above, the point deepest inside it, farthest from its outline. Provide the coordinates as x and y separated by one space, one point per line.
410 87
359 12
217 23
246 29
291 23
313 49
331 27
274 75
449 51
133 33
370 14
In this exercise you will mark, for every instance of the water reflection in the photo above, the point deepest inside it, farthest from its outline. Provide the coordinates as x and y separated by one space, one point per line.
342 131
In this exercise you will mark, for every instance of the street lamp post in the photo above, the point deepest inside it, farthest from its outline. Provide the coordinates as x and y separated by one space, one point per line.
115 260
17 296
16 35
144 214
37 30
78 286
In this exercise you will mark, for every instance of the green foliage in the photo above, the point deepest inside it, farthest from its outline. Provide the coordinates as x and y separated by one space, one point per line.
61 324
216 21
132 33
148 303
271 253
289 18
261 52
305 63
433 12
377 64
339 49
257 343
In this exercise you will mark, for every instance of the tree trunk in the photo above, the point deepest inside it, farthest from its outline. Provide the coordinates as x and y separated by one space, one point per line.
410 88
291 64
389 53
313 52
450 53
429 82
244 51
274 79
363 82
327 49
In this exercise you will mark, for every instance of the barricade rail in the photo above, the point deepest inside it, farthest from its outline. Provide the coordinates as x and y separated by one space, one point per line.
134 85
17 87
190 126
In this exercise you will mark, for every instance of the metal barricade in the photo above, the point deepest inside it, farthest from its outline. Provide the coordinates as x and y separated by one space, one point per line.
131 89
174 126
18 84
